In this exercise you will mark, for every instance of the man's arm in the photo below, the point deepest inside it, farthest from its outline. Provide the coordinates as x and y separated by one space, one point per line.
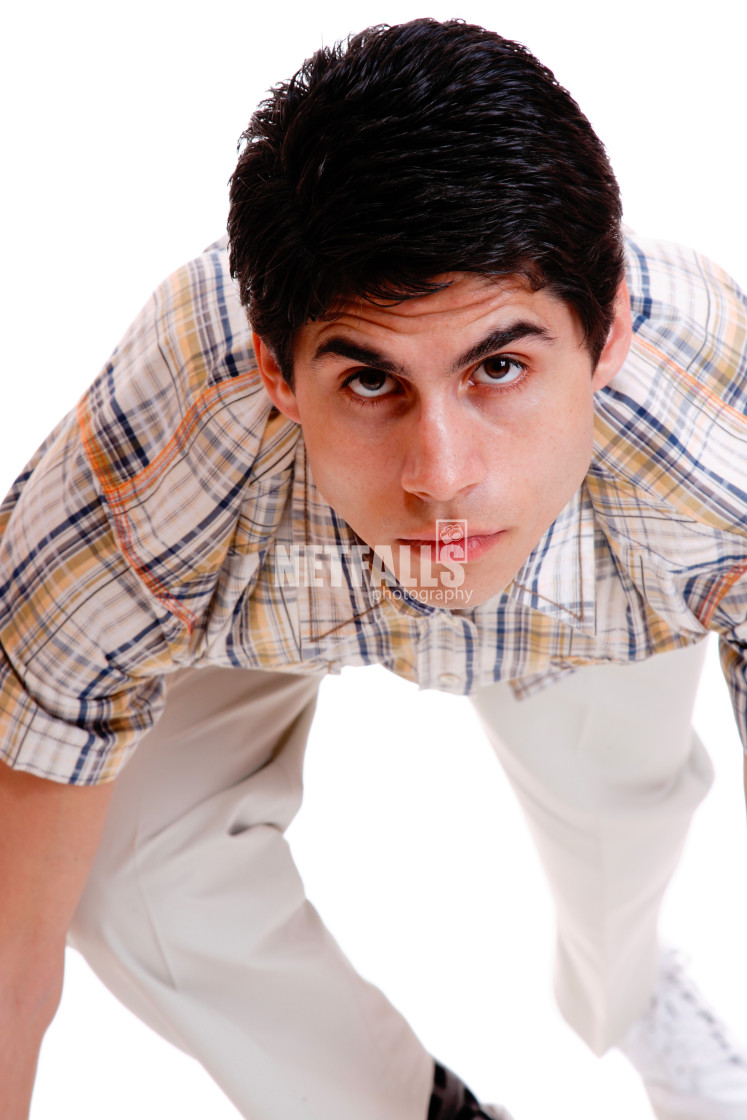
104 587
48 837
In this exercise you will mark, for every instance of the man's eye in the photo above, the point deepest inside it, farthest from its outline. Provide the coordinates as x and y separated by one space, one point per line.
498 371
370 383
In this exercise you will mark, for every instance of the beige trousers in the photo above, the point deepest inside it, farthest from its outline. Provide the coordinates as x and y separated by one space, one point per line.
195 916
608 771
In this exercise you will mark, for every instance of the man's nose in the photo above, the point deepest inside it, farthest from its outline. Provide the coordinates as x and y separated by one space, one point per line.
442 454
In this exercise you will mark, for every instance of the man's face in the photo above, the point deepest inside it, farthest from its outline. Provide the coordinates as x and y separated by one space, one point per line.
472 404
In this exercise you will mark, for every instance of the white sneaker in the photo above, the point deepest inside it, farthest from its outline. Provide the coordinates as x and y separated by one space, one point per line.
692 1068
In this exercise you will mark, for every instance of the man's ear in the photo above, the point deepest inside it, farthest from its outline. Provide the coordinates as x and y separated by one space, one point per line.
618 341
278 389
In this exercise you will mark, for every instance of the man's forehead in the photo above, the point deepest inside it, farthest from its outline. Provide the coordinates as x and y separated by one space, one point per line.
468 305
462 298
451 291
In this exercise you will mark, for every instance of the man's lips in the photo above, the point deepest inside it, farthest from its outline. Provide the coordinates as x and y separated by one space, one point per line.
430 536
476 544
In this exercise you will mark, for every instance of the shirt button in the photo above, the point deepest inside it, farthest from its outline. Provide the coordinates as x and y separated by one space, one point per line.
449 680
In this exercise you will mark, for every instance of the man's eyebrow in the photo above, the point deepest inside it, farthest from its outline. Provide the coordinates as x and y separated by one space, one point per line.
500 339
343 348
497 340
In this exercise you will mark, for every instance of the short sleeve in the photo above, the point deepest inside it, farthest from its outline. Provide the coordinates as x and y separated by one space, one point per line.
113 539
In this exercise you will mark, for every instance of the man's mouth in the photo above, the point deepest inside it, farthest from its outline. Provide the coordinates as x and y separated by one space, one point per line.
452 548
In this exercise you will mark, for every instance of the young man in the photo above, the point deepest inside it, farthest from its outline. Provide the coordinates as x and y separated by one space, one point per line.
478 439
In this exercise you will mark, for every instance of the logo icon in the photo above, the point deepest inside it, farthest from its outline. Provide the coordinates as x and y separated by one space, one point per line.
452 541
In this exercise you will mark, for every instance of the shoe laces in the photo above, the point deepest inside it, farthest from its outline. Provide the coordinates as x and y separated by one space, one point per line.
681 1033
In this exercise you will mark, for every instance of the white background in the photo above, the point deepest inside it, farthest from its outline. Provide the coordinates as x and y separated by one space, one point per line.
120 130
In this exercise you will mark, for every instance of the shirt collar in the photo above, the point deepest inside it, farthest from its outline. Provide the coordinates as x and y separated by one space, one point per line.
558 576
340 601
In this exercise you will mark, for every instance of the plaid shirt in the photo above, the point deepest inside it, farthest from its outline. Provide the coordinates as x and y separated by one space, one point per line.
152 530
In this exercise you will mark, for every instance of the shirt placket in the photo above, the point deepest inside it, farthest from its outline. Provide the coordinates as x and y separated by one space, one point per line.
446 650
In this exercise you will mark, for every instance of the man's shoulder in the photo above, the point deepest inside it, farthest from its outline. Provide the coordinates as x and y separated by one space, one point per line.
689 319
671 428
182 383
180 434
